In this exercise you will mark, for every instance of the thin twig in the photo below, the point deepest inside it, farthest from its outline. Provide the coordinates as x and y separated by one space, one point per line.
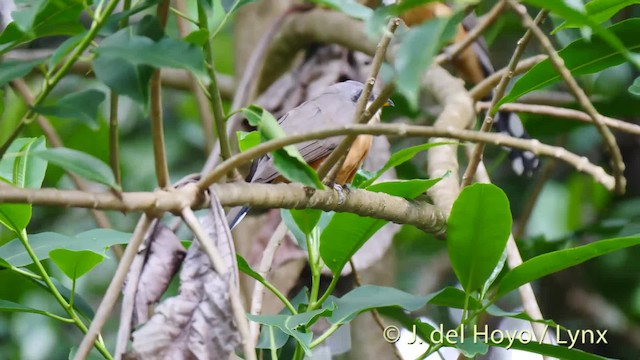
206 118
563 113
264 268
157 128
476 156
617 162
580 163
114 145
219 266
113 291
214 93
343 148
484 88
454 50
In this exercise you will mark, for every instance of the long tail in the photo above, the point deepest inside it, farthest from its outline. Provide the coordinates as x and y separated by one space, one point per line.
522 162
235 215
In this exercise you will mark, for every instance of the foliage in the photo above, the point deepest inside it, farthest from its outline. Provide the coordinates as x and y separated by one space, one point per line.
49 257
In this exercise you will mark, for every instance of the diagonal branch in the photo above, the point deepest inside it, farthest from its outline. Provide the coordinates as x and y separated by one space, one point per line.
616 157
476 155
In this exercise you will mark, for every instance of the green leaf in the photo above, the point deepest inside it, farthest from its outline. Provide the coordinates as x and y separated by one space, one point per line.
15 217
97 240
635 87
402 156
247 140
556 351
346 232
291 324
552 262
306 219
14 69
198 37
287 160
349 7
9 306
75 263
167 52
477 233
81 106
370 297
83 164
22 171
243 266
39 18
600 11
580 57
454 298
64 49
28 170
417 50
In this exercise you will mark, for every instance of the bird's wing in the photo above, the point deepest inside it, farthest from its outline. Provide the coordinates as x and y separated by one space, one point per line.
312 115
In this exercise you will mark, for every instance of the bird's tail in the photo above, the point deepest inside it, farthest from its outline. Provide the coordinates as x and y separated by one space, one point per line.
522 162
235 215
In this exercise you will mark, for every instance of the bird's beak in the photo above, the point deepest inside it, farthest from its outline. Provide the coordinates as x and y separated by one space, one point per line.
389 103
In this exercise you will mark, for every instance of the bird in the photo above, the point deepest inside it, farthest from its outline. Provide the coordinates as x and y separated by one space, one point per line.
335 106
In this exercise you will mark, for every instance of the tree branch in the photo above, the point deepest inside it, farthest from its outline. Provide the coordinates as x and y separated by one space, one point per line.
478 149
616 157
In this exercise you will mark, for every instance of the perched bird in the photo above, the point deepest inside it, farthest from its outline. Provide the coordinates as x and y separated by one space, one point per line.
335 106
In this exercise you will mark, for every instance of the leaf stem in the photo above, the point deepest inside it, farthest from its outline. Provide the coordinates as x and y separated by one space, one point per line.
214 92
22 236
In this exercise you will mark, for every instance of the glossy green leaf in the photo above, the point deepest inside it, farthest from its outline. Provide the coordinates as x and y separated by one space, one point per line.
287 160
454 298
400 157
580 57
28 169
197 37
243 266
635 87
82 106
346 232
247 140
280 337
477 232
417 50
75 263
368 297
293 324
14 69
306 219
21 170
39 18
83 164
122 76
552 262
600 11
555 351
167 52
97 240
349 7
